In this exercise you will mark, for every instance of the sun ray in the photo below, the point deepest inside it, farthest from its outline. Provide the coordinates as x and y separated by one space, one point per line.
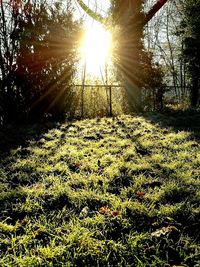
96 49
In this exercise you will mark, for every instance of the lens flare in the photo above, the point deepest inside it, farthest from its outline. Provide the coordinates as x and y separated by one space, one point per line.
96 49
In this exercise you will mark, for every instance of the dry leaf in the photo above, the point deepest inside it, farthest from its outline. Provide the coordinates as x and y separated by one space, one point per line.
140 194
164 231
84 212
104 210
115 213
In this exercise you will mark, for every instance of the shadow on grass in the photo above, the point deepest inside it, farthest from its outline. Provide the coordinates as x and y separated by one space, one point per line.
13 136
178 121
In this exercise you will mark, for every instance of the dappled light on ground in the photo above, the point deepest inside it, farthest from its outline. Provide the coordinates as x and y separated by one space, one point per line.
112 190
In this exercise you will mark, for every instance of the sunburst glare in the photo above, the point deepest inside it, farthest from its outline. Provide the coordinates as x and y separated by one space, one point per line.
96 49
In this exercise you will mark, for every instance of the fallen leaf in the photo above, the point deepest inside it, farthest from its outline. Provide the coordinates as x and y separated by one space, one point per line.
104 210
164 231
84 212
115 213
140 194
78 165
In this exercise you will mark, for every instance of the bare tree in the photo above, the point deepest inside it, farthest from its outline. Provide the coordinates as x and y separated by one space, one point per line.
162 40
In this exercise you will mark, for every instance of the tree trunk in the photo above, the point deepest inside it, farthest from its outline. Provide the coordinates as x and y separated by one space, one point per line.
195 93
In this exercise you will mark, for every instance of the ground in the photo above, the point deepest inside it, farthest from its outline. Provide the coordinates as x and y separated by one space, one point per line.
118 191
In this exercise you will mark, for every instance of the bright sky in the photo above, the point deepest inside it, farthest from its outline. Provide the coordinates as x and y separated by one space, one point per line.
101 5
97 43
96 49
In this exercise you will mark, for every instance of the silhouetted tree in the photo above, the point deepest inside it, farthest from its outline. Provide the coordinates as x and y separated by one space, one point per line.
36 79
128 20
135 64
190 31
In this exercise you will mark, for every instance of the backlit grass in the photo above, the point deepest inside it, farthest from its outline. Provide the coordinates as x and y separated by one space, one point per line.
118 191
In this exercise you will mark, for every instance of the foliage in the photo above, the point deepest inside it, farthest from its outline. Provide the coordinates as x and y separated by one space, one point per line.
191 52
39 57
153 88
135 65
102 192
97 101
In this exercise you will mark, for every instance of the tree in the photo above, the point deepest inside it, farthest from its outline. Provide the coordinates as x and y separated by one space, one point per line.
37 78
134 63
161 39
129 19
191 51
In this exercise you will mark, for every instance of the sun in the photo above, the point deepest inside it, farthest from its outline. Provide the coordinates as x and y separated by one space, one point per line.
96 49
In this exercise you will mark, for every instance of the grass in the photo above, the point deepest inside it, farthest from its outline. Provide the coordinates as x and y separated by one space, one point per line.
118 191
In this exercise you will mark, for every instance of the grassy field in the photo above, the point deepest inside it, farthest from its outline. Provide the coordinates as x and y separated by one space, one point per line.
121 191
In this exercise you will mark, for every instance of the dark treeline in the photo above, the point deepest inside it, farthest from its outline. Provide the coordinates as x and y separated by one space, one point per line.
38 56
190 32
